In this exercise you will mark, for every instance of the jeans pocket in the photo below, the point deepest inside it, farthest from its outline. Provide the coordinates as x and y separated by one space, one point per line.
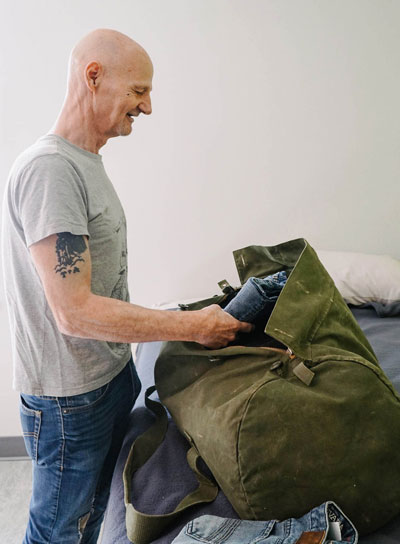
30 421
85 401
217 530
211 529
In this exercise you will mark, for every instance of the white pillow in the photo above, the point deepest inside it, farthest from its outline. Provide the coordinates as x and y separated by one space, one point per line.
361 277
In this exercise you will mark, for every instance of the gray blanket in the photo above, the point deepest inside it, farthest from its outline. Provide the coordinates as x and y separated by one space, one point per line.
166 478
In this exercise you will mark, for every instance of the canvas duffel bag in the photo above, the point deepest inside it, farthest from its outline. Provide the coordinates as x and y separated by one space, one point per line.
285 424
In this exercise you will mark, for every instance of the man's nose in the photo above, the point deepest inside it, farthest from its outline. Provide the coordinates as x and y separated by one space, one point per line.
145 106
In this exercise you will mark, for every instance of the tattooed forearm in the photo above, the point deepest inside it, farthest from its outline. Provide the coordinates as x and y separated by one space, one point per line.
69 248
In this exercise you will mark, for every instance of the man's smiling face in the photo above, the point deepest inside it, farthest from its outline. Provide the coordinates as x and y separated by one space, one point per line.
123 93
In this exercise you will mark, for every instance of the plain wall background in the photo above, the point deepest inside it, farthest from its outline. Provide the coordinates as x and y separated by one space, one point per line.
272 120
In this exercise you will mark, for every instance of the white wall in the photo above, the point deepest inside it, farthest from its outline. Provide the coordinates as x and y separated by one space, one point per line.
272 119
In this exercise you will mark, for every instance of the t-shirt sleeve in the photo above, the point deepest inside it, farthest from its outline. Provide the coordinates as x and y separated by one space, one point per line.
50 198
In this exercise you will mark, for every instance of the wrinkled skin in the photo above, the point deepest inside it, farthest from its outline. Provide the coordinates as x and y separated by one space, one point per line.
109 83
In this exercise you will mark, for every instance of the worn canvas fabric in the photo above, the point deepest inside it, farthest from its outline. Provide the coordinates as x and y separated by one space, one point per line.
305 416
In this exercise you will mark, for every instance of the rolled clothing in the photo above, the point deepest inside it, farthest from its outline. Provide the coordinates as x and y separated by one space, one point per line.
255 295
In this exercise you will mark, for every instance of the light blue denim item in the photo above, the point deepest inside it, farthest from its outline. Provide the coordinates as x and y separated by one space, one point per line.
326 524
255 295
74 443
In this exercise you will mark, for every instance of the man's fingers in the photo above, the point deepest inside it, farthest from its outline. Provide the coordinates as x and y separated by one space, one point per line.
246 327
217 328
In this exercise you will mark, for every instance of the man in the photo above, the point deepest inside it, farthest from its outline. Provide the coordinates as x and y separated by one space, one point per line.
65 267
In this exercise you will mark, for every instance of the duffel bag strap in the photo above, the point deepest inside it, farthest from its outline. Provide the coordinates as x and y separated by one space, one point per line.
144 528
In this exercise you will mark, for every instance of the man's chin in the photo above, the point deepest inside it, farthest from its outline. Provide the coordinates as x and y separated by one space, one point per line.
126 131
123 132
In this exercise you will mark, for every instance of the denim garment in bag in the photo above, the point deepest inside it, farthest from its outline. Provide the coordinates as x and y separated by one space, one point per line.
74 443
255 295
326 524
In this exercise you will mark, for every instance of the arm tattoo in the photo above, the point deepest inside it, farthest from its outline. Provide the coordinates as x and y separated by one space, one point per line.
69 248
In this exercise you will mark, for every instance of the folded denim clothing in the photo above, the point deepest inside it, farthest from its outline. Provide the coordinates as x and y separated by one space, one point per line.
255 294
325 524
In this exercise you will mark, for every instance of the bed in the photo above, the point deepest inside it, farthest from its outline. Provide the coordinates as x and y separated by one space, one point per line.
161 483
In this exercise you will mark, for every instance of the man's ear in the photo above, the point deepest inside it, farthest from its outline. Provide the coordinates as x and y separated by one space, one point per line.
93 73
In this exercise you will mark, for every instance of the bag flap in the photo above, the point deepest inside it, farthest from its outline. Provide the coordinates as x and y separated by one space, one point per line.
310 316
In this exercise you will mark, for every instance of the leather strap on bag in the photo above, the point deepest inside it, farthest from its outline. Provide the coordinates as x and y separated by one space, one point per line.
144 528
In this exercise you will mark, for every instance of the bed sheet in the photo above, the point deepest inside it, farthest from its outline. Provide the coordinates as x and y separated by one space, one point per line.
161 483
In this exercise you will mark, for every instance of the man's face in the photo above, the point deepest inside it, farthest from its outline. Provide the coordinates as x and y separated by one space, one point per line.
124 93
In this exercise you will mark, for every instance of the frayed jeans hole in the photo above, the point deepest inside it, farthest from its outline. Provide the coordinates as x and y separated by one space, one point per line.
82 522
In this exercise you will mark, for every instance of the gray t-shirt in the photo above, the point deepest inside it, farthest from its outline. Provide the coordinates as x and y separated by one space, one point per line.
55 186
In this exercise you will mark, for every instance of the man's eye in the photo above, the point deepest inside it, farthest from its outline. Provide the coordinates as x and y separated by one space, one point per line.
140 92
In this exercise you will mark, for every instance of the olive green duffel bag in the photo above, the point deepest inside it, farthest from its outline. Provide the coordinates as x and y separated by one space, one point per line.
298 416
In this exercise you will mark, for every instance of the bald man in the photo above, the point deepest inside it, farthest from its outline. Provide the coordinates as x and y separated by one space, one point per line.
65 260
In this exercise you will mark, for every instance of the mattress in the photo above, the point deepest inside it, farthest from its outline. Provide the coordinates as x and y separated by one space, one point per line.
166 478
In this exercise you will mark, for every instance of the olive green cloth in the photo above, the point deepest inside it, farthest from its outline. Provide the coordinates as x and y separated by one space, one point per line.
283 430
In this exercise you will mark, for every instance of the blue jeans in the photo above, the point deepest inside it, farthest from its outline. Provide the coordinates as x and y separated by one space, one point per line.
324 524
74 444
255 295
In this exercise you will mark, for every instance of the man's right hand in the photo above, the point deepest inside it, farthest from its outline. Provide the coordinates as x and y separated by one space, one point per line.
217 328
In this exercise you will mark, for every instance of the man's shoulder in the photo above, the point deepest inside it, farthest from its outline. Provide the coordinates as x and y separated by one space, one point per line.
44 150
45 155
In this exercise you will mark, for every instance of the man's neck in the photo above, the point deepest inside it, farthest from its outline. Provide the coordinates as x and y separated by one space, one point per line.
76 126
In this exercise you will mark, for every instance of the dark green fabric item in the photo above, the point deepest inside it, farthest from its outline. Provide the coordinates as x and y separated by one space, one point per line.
144 528
283 430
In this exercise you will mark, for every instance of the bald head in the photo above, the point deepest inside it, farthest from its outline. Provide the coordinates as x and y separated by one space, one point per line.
110 48
109 85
